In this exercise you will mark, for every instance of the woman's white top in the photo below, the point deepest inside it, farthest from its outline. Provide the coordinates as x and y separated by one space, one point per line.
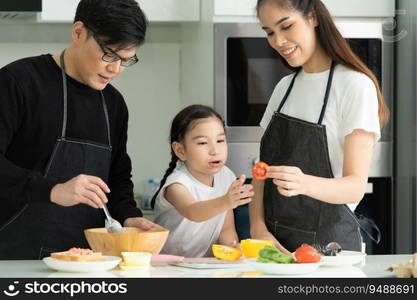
188 238
352 104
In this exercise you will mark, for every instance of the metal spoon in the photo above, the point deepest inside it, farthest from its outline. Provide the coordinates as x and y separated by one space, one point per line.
111 224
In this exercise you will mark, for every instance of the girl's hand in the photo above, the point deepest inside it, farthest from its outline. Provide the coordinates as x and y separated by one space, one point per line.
239 193
290 181
234 244
231 243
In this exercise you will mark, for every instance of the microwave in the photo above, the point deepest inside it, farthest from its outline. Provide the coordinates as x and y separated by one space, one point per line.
247 70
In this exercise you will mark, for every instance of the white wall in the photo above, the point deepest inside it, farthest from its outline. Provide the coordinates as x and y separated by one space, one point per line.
152 92
197 59
151 88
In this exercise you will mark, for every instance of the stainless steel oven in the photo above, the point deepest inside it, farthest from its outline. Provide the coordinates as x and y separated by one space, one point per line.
247 70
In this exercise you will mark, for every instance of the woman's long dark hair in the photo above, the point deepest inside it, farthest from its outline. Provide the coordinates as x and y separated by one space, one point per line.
332 42
181 124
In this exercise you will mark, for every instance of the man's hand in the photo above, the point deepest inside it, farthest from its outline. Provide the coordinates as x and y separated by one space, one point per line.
141 223
90 190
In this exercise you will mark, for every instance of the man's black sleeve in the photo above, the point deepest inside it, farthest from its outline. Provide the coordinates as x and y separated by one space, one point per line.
18 186
121 201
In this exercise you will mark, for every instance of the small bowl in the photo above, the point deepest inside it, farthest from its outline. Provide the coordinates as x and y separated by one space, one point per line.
344 258
137 258
132 239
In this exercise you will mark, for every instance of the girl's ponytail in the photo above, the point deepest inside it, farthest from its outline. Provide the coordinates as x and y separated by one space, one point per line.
168 172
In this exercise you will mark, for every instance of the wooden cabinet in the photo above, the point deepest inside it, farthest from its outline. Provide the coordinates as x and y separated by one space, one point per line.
63 11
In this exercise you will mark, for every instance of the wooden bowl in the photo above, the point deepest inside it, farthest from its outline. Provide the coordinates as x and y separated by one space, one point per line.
132 239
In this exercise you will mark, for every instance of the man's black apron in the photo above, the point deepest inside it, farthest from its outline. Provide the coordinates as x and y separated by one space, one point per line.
300 219
42 228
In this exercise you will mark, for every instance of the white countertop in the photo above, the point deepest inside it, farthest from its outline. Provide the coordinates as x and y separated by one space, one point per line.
373 266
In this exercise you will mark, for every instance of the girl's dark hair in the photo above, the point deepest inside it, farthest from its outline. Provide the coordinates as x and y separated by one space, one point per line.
121 22
182 123
332 42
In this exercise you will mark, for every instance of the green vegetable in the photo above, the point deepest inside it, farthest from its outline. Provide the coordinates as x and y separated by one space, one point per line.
269 254
265 260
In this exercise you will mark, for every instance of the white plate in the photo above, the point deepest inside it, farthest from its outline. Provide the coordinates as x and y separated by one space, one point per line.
82 266
344 258
284 269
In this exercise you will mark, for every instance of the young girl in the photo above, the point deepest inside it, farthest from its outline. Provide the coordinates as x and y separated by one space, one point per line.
321 125
198 192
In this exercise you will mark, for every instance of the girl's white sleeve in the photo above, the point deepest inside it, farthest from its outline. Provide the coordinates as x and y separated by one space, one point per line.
176 177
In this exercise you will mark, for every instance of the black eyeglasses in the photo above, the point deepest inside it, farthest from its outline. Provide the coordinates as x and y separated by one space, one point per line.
111 56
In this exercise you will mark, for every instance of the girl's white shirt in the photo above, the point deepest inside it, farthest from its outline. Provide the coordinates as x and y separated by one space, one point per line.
352 104
188 238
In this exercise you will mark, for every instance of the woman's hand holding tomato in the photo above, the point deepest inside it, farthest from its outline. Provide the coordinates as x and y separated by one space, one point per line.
259 170
290 181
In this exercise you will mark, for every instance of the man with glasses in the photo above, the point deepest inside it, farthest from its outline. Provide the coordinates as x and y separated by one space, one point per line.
63 135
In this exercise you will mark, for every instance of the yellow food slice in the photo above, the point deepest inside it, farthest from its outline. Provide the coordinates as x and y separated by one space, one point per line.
225 252
126 267
251 247
137 258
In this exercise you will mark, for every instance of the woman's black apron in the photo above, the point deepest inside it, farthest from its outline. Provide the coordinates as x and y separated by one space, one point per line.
300 219
42 228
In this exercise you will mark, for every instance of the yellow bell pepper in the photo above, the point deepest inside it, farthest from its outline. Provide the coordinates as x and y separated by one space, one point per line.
251 247
225 252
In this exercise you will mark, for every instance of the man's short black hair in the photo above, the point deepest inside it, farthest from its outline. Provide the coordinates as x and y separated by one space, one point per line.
120 22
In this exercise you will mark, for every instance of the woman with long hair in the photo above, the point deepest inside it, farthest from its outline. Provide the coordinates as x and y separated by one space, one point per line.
321 125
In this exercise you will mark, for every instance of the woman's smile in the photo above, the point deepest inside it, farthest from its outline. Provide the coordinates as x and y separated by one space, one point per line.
288 53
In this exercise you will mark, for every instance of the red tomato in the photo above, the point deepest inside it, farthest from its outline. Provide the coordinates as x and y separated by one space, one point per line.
307 254
259 170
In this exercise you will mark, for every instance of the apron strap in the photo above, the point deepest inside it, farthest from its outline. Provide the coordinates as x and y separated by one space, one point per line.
326 96
287 93
106 114
64 88
366 223
64 119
